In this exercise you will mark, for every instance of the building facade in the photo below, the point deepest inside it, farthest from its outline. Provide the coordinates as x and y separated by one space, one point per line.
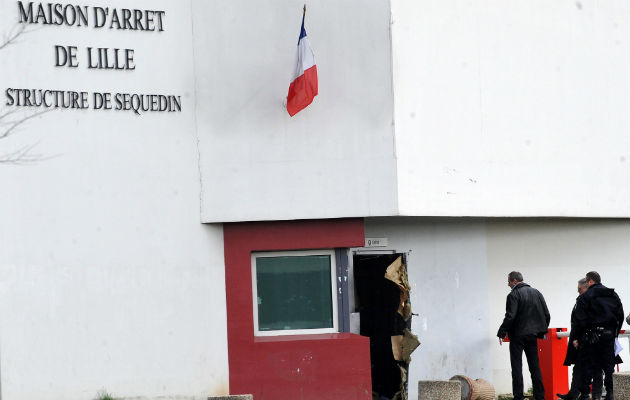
150 169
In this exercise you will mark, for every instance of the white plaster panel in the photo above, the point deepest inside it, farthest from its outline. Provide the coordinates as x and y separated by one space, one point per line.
107 278
512 108
333 159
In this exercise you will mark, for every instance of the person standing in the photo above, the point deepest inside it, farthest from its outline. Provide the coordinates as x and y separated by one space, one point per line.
598 316
526 320
571 357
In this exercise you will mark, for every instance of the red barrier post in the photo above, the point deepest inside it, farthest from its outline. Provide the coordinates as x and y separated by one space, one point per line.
551 353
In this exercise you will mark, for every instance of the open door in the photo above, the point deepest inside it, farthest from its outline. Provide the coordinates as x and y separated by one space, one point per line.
382 299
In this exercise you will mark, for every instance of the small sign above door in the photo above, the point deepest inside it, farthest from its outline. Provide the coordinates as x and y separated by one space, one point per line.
376 242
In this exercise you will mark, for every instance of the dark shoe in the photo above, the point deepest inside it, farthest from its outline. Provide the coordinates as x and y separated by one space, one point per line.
567 396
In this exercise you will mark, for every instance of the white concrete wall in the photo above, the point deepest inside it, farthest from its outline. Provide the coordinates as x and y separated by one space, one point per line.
458 273
553 255
107 278
500 109
512 108
446 262
333 159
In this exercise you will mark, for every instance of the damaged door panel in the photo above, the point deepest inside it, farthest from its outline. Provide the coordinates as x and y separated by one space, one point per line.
382 299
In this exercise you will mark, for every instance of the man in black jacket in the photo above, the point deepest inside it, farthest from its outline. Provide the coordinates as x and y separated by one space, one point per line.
571 357
526 319
598 316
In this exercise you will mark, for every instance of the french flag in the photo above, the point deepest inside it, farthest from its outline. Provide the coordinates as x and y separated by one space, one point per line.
303 88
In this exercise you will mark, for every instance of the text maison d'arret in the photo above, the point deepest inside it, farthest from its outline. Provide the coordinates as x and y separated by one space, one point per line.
96 58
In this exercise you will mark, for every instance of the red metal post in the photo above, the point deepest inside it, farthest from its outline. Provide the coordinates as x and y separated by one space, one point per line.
551 353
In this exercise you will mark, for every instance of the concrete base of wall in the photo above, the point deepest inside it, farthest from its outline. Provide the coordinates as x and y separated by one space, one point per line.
439 390
234 397
229 397
621 383
161 398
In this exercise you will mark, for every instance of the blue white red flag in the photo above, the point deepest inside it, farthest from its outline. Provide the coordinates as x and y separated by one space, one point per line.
303 87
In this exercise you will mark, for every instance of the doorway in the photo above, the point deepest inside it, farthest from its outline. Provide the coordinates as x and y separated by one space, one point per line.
384 308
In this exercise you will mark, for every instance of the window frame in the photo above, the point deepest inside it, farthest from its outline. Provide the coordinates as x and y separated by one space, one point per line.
333 291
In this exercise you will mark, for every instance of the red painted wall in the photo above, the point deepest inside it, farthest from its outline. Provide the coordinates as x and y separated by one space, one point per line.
306 367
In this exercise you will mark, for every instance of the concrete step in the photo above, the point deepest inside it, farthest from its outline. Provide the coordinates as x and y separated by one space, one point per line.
621 385
439 390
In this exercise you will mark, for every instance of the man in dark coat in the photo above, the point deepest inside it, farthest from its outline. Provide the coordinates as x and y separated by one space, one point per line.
598 316
571 357
526 319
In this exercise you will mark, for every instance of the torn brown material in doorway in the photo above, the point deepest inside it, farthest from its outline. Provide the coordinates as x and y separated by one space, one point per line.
403 341
397 273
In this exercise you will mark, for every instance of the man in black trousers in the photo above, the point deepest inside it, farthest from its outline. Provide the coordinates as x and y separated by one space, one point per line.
572 355
526 320
598 316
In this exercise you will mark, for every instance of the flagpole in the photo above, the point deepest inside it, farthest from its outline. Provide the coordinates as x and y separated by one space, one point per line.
304 10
